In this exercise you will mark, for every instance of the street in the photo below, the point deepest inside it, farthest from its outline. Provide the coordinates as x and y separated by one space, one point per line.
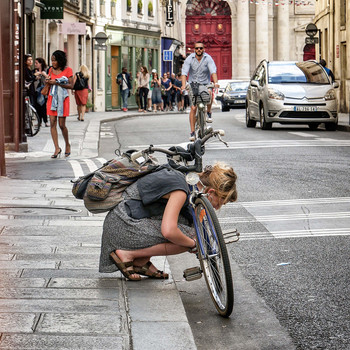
291 265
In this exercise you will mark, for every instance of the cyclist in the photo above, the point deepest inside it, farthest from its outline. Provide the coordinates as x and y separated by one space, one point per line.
200 67
153 219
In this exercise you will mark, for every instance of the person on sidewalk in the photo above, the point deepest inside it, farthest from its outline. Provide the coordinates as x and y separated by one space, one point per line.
156 92
144 87
60 79
40 99
81 90
154 219
136 90
124 82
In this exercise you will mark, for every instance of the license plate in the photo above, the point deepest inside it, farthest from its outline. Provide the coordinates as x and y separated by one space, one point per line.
239 101
305 108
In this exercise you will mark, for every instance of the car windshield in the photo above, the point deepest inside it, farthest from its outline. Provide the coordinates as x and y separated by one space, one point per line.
239 86
297 72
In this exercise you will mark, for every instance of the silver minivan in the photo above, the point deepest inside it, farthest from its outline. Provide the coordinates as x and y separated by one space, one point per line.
291 93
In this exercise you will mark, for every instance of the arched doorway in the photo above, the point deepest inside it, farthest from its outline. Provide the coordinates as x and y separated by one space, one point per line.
209 21
309 52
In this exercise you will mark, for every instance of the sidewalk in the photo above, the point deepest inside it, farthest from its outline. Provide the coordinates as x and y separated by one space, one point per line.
52 295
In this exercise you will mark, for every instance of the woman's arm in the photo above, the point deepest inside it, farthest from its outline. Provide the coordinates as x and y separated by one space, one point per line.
169 228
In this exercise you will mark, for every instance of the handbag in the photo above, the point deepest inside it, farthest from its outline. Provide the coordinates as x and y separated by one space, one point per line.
79 83
46 89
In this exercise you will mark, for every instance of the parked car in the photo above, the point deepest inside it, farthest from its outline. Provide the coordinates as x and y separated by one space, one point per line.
234 95
291 92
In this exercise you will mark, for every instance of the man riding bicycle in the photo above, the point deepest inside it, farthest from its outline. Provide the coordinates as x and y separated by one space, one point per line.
201 68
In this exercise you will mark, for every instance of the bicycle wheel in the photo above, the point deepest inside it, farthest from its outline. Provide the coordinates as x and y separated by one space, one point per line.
201 123
213 257
33 121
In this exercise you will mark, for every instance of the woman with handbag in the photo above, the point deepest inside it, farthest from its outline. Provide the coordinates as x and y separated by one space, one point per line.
40 99
167 86
60 79
81 90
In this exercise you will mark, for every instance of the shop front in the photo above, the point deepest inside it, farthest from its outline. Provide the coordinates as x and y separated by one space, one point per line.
129 48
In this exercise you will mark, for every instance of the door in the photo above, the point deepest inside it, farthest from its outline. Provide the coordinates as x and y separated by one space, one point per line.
210 23
114 72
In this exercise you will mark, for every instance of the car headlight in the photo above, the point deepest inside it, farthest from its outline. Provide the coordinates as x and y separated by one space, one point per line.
330 95
275 95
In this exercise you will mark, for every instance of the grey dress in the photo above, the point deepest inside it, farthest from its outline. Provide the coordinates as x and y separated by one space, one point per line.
120 231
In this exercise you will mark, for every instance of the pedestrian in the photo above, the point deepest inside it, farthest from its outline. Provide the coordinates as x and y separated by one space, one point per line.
144 87
178 92
60 79
323 63
186 97
166 92
172 91
124 82
40 100
156 92
134 232
81 90
136 90
200 67
29 77
150 91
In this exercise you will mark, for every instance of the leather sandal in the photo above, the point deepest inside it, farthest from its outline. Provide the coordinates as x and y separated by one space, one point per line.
124 267
145 271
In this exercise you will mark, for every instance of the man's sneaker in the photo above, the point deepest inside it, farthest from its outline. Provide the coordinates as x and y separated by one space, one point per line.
209 120
192 136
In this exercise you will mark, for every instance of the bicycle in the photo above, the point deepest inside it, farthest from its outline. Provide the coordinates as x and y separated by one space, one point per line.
31 118
201 97
211 248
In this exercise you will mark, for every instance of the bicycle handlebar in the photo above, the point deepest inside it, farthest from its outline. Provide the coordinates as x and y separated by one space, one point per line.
194 149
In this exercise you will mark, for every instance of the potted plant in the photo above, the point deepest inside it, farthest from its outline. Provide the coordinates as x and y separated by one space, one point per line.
150 9
139 7
128 5
113 8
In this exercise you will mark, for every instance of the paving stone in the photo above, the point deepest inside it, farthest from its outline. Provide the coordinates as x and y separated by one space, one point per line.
48 240
162 336
7 257
88 306
55 293
19 282
62 342
87 273
17 322
23 264
49 231
57 256
155 306
92 324
114 283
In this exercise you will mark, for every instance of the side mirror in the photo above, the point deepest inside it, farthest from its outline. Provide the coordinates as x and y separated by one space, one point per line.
254 83
335 84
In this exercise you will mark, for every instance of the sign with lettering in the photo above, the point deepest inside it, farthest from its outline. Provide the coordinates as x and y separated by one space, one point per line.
74 28
53 9
169 13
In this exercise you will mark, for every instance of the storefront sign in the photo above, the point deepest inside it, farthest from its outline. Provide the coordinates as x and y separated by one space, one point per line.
74 28
169 13
53 9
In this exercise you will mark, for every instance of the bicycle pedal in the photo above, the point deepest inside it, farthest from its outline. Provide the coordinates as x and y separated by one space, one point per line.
192 273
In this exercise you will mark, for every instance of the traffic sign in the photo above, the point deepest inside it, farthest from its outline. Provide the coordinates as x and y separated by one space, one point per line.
167 55
311 29
311 40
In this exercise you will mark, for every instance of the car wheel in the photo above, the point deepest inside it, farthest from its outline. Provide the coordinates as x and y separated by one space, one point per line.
331 126
313 126
224 108
250 123
263 124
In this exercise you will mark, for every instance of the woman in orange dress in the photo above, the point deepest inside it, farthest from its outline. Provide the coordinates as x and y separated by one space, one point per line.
59 70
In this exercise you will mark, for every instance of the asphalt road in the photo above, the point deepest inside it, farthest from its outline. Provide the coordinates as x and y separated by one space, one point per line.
291 266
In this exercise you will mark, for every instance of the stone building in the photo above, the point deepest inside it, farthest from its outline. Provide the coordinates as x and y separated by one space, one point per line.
240 33
331 19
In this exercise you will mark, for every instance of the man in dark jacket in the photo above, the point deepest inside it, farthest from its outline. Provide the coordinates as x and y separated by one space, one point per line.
124 82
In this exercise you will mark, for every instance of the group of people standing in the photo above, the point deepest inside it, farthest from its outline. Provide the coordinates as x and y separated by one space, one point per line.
152 92
54 105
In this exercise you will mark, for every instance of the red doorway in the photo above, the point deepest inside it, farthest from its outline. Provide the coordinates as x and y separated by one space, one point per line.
309 52
210 22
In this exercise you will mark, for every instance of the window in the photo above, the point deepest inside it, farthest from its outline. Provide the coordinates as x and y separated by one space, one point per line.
343 13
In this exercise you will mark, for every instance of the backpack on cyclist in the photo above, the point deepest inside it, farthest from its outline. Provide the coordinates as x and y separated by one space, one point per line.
103 189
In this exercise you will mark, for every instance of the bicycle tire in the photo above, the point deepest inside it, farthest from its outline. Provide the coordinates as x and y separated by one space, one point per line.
34 121
213 257
201 123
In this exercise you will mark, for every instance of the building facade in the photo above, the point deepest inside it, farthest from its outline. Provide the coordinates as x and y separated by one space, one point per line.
331 19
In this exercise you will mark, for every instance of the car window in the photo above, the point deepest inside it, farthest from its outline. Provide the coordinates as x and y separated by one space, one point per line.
260 75
239 86
296 72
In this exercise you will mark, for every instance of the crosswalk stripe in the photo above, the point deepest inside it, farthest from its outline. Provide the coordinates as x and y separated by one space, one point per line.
101 160
77 169
91 165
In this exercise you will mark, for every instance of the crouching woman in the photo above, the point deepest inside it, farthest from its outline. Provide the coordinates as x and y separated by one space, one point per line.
154 219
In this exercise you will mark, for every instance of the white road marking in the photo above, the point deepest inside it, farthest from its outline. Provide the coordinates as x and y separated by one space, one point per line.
101 160
77 169
303 134
91 165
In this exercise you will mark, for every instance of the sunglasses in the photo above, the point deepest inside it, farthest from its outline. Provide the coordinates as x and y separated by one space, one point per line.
199 48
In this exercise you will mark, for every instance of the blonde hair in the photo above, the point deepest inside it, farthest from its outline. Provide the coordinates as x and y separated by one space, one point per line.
222 179
85 70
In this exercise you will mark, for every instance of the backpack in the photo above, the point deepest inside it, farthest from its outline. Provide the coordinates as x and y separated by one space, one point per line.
103 189
80 83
